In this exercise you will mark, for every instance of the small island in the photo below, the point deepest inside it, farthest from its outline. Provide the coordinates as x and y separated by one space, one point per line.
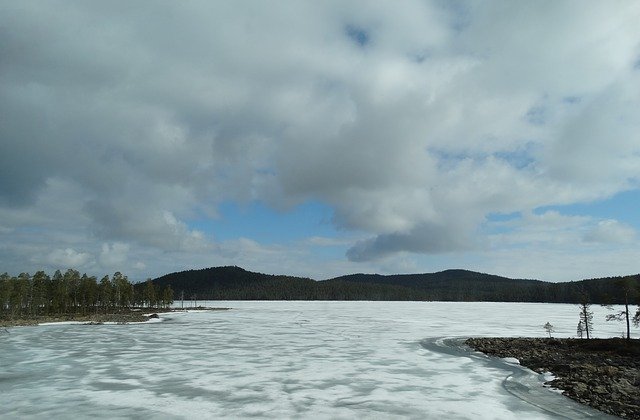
601 373
133 315
93 319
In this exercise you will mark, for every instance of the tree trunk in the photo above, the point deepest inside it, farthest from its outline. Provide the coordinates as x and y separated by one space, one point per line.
626 315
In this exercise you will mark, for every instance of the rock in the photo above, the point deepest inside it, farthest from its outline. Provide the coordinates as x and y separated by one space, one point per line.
604 374
600 389
560 368
579 387
624 387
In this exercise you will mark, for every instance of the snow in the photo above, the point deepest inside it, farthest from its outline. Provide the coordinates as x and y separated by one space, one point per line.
60 323
154 320
288 360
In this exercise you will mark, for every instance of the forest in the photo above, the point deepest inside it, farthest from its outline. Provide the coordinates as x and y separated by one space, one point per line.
235 283
70 293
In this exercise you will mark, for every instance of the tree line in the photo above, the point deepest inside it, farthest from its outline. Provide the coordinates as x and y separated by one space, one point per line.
235 283
630 290
70 293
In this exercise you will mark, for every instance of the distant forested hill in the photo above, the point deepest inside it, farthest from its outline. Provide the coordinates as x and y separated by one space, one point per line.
235 283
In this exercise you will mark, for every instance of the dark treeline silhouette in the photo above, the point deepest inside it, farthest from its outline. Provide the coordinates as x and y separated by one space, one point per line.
234 283
70 293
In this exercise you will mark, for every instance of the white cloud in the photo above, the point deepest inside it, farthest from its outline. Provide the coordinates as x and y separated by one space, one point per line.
546 230
120 127
114 255
139 265
323 241
612 232
68 258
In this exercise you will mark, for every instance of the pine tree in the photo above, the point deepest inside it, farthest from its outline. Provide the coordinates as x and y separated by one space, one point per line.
629 289
149 294
106 292
40 297
167 296
586 315
6 291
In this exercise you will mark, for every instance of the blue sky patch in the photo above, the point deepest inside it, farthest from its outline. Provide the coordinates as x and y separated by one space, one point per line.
571 100
537 115
267 226
623 207
358 35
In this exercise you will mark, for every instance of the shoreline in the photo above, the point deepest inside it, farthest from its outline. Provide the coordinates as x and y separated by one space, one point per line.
601 373
125 317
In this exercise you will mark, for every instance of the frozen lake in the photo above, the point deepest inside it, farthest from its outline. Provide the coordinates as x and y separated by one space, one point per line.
288 360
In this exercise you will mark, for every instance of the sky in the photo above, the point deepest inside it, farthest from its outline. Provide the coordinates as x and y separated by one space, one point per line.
320 138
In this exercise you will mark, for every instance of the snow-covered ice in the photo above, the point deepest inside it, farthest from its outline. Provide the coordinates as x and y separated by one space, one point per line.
288 360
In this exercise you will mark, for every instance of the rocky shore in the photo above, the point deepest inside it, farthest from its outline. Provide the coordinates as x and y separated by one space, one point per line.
119 318
602 373
123 317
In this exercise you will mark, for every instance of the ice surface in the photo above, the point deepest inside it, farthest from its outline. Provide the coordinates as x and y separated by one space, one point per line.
288 360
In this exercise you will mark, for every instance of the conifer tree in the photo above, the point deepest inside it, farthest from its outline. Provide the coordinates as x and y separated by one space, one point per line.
40 298
586 315
629 290
167 296
106 292
149 294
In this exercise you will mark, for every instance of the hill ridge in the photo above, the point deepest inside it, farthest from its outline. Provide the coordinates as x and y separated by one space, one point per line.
236 283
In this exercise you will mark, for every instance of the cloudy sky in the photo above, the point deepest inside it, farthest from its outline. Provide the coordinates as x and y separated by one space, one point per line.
320 138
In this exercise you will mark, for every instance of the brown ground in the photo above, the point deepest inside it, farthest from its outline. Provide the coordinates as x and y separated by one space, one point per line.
602 373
